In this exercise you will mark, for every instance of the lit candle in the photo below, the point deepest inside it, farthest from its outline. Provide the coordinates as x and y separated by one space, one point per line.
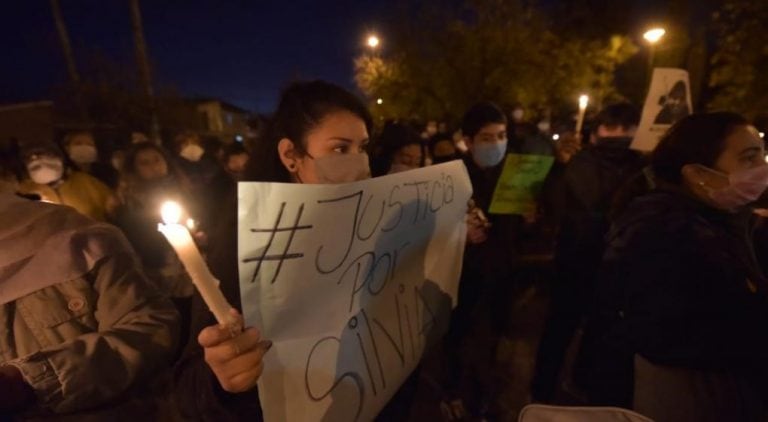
181 241
583 101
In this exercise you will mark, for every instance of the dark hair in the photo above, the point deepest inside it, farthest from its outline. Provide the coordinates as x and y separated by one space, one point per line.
479 116
183 136
436 139
129 173
235 148
71 135
395 136
303 105
623 115
130 183
696 139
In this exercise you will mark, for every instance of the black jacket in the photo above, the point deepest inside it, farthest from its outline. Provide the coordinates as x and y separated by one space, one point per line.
681 287
498 253
589 184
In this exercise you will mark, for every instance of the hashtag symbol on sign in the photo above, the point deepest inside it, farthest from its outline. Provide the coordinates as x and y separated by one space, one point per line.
272 234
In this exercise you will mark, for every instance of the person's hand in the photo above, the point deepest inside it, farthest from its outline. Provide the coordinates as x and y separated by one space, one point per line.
236 358
15 393
477 227
568 145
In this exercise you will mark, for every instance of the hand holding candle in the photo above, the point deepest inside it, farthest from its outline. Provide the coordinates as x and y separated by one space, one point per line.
583 102
181 241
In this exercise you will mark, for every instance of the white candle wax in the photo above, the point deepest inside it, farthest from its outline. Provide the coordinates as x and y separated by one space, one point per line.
583 101
181 241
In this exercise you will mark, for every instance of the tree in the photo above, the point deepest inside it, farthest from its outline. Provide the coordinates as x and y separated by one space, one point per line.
142 60
740 61
446 58
66 46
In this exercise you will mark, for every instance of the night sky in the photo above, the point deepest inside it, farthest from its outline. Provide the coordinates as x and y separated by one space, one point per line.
242 51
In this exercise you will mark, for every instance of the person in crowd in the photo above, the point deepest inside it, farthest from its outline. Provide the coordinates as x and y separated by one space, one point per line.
590 181
52 180
430 129
207 178
399 148
117 159
235 160
487 271
318 134
149 179
82 332
196 167
443 149
254 132
81 149
680 335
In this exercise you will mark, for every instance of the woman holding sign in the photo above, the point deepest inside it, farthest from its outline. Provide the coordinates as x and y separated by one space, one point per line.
318 134
684 315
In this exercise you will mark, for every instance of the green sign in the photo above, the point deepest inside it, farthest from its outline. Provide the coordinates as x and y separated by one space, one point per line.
519 183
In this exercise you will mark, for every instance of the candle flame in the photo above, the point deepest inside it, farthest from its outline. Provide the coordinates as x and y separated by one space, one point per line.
171 212
583 101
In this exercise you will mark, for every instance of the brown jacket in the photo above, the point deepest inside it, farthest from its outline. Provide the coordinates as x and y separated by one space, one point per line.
89 344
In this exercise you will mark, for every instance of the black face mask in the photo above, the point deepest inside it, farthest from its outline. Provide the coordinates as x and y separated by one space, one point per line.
615 141
444 158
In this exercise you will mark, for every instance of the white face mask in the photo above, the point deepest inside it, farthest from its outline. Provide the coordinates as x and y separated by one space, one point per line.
192 152
46 170
83 154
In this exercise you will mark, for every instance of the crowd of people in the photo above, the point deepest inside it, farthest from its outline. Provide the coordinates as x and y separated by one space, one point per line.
657 260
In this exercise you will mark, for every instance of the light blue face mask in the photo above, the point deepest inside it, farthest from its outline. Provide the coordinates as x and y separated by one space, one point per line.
489 154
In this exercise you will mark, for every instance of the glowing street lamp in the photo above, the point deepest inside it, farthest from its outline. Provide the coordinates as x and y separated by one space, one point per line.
654 35
373 41
379 101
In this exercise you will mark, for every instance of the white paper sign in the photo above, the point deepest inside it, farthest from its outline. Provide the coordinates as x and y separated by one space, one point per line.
351 282
669 100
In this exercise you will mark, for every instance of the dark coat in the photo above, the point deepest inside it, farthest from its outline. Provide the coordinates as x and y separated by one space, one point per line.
498 252
681 287
589 184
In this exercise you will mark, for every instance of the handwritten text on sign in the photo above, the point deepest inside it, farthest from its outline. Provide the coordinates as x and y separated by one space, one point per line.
351 282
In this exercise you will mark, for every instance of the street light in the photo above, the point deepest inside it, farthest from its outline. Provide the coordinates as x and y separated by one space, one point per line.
373 41
654 35
379 101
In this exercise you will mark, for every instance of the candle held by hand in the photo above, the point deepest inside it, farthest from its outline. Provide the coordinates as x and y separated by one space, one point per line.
181 241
